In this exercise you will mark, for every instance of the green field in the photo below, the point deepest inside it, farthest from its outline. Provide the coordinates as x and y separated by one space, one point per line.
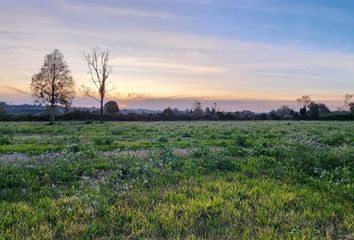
188 180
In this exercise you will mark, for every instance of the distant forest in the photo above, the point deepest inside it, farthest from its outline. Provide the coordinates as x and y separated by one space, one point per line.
309 110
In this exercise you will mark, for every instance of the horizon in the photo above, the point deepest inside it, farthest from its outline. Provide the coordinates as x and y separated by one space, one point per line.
244 55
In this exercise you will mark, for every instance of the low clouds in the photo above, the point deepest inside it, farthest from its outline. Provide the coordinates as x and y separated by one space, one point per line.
111 10
16 90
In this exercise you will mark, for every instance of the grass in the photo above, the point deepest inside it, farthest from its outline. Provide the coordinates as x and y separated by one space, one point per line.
189 180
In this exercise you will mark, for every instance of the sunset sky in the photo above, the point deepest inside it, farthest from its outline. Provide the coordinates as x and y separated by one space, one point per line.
243 54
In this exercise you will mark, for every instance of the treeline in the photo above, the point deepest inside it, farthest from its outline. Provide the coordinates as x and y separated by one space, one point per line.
283 113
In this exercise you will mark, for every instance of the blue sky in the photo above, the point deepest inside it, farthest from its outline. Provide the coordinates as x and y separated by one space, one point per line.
254 54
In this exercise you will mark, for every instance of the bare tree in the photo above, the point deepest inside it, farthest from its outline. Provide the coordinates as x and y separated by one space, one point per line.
54 83
99 70
347 101
304 101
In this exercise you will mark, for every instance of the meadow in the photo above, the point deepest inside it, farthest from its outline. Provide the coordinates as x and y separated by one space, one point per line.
186 180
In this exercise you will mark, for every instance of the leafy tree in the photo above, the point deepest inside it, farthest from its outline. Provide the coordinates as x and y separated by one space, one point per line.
111 107
315 109
53 84
99 70
323 108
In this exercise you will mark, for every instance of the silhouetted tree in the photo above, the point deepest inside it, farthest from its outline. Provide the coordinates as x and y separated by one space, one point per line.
214 108
322 108
100 70
54 83
111 107
304 101
197 110
303 113
347 102
168 114
285 112
351 107
2 108
314 110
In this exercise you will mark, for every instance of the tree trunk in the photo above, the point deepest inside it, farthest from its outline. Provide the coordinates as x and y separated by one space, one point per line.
52 116
101 111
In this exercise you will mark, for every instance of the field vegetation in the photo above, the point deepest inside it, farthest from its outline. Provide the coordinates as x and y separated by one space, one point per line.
189 180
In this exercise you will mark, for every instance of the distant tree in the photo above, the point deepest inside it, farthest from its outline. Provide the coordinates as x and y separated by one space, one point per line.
111 107
274 115
209 115
214 108
315 109
167 111
351 107
53 84
262 116
304 101
207 111
347 101
285 111
197 110
303 112
2 108
168 114
323 108
100 70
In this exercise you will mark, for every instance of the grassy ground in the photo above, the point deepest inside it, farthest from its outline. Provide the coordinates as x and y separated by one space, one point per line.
189 180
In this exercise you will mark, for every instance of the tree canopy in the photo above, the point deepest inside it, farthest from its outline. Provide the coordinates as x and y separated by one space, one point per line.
53 84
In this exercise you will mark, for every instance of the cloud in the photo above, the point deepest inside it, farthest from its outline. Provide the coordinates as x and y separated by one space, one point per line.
111 10
17 90
311 9
164 65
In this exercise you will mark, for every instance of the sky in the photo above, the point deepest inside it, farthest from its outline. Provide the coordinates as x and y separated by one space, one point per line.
242 54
